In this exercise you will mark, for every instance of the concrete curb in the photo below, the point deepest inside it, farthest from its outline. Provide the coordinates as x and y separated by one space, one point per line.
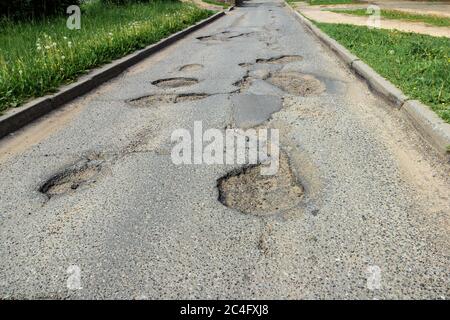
16 118
435 130
379 84
428 123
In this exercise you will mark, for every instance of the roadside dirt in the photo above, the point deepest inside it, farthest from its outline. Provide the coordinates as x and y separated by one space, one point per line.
201 4
319 13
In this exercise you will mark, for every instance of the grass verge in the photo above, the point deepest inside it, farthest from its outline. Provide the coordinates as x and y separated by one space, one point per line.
37 57
401 15
418 64
218 3
330 2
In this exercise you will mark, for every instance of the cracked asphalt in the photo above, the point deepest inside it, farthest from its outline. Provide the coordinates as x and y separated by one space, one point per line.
375 196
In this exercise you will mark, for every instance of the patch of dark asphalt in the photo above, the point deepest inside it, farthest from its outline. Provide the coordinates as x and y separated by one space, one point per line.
250 110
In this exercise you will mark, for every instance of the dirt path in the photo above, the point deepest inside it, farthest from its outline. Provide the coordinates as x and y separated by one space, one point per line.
205 5
420 7
319 13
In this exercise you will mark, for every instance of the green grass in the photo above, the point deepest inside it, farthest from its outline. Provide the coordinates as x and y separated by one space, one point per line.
326 2
418 64
37 57
217 3
400 15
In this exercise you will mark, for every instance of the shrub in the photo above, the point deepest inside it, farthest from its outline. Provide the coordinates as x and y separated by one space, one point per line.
33 9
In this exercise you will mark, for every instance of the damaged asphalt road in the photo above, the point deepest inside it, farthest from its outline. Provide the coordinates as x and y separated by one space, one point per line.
91 190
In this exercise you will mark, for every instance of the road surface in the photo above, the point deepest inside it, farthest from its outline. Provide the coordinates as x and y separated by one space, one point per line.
91 205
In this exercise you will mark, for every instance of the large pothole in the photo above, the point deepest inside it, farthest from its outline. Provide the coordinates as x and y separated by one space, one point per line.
250 192
175 82
81 173
297 83
224 36
280 59
163 99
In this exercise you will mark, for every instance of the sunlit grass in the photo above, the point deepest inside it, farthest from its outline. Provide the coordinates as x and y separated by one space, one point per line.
418 64
37 57
401 15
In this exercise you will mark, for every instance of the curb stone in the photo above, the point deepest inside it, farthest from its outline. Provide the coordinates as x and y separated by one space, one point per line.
17 118
379 84
429 124
435 130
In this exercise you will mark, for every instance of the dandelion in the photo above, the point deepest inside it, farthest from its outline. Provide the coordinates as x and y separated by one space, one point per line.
63 57
391 51
69 44
65 38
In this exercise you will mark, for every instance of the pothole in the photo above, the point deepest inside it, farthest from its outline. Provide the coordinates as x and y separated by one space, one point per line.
244 83
191 67
175 82
83 172
184 97
280 59
223 36
162 99
152 100
297 83
247 191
